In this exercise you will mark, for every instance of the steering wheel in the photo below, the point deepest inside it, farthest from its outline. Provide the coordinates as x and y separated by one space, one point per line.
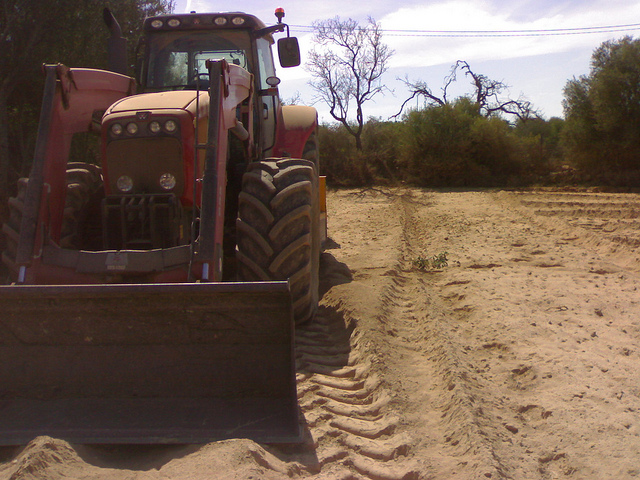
197 81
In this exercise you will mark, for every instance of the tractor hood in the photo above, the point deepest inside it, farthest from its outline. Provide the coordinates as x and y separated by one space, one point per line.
174 100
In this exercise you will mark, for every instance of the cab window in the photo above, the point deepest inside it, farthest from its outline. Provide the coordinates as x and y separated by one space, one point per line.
179 60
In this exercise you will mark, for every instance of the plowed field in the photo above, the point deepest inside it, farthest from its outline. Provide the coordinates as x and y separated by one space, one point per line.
519 359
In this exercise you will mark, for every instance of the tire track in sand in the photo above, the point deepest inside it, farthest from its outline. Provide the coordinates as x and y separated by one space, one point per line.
345 404
445 386
355 428
417 412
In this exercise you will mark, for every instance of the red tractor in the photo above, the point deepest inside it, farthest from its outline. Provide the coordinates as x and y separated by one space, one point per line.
154 295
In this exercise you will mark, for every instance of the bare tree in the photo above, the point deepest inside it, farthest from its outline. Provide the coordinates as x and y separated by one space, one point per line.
296 99
487 95
347 64
420 88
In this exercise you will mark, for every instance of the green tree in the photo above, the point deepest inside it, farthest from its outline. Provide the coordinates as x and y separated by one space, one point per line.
602 109
540 140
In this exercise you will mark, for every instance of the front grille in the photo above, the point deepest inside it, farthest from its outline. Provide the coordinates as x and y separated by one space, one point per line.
145 160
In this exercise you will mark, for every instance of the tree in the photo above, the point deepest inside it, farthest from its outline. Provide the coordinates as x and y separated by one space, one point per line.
347 63
33 32
487 94
602 109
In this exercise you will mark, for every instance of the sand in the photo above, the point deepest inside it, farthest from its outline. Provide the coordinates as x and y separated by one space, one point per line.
519 359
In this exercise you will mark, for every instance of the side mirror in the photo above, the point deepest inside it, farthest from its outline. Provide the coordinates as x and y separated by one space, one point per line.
289 52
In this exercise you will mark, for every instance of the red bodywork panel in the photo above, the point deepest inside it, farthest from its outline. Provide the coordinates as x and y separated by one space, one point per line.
296 123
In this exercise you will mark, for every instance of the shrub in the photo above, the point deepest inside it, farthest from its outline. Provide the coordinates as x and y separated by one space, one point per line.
442 146
453 145
340 161
344 165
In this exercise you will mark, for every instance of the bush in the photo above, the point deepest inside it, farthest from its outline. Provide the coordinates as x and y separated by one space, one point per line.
340 161
442 146
376 163
453 145
381 150
434 147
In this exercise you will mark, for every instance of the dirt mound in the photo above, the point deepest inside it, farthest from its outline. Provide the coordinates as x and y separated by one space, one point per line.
48 458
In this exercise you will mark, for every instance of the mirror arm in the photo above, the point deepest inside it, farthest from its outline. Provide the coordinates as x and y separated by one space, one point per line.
280 27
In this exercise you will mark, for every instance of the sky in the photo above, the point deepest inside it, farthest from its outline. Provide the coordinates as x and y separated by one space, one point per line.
536 67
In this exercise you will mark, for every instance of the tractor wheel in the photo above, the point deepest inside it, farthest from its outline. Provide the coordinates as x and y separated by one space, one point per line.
84 183
278 229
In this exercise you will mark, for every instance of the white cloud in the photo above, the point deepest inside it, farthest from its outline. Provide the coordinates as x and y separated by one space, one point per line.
464 15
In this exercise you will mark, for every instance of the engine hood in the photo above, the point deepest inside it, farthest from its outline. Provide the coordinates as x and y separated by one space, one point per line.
174 100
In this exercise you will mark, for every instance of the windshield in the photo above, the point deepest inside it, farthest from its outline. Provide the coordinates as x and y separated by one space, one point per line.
177 60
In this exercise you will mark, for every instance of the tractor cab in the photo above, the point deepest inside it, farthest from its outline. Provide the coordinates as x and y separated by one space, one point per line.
177 47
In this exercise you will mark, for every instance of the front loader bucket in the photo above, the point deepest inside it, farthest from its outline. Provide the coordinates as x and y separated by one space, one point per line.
157 363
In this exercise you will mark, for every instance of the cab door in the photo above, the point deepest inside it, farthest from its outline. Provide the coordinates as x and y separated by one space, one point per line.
268 97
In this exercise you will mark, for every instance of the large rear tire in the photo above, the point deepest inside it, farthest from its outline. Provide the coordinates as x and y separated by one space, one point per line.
311 150
278 229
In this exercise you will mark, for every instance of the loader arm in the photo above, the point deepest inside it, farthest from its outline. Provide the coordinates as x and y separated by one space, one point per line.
231 85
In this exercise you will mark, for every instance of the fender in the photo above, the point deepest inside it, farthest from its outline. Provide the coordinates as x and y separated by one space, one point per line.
296 123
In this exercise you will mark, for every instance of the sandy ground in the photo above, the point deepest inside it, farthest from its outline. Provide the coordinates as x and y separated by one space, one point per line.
520 359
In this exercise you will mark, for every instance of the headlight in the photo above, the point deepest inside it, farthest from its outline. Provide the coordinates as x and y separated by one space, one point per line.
220 21
125 183
157 23
238 21
154 127
173 22
116 129
170 126
167 181
132 128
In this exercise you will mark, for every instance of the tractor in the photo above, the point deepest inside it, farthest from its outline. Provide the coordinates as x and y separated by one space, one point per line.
154 293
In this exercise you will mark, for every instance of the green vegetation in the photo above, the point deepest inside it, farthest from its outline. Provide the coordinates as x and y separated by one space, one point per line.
456 144
602 109
449 145
437 262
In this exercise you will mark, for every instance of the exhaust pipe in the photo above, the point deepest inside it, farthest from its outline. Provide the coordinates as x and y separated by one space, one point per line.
116 45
